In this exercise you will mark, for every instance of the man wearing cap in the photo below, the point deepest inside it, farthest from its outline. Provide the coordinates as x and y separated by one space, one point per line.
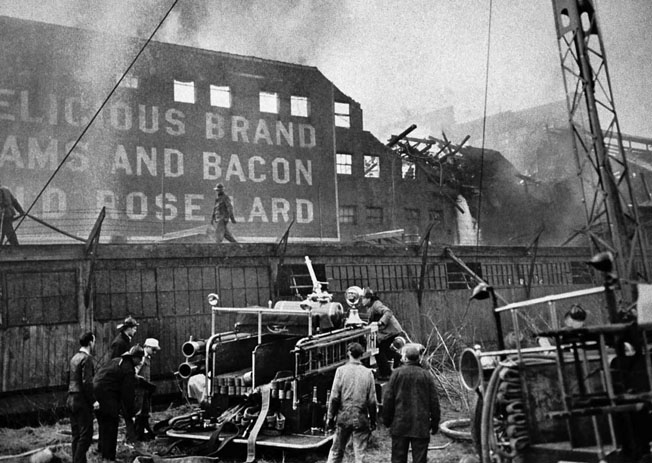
352 407
222 213
114 387
144 390
122 342
411 407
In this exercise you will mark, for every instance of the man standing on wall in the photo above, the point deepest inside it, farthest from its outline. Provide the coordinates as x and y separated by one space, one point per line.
122 342
80 397
411 407
9 205
222 213
353 406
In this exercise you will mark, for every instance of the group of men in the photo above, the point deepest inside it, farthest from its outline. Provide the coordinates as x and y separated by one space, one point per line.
120 386
410 400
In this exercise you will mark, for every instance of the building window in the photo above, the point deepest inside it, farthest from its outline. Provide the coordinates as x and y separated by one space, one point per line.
184 92
220 96
347 214
269 102
344 163
342 115
412 215
127 81
374 215
299 106
408 170
371 166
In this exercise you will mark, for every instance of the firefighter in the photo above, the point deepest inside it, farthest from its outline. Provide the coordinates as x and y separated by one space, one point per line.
9 205
114 387
222 213
122 342
388 329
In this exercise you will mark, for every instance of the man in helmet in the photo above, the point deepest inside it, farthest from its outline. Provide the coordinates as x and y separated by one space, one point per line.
114 387
388 329
222 213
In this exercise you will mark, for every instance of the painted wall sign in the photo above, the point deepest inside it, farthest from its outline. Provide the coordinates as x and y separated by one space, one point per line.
152 161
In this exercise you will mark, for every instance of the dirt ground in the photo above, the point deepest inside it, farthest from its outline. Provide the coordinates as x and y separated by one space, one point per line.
56 437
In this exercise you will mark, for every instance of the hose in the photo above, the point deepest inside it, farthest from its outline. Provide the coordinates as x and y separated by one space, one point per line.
448 429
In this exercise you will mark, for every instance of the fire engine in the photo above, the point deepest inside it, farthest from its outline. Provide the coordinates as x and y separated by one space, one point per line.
267 382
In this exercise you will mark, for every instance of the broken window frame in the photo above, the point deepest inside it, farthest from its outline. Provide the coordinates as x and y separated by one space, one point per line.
184 92
371 169
406 165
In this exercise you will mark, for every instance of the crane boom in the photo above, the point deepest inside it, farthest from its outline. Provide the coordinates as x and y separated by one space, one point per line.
613 222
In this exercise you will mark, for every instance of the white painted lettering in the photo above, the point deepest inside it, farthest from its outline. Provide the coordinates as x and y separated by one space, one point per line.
252 169
304 170
212 169
305 212
107 199
11 153
285 132
239 126
35 155
234 169
170 207
263 132
78 159
214 126
191 207
121 161
136 205
307 137
143 125
175 118
4 103
121 117
257 211
148 160
280 206
281 170
173 162
25 109
54 203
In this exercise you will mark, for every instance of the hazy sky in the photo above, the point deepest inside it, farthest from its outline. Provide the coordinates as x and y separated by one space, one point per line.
395 57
